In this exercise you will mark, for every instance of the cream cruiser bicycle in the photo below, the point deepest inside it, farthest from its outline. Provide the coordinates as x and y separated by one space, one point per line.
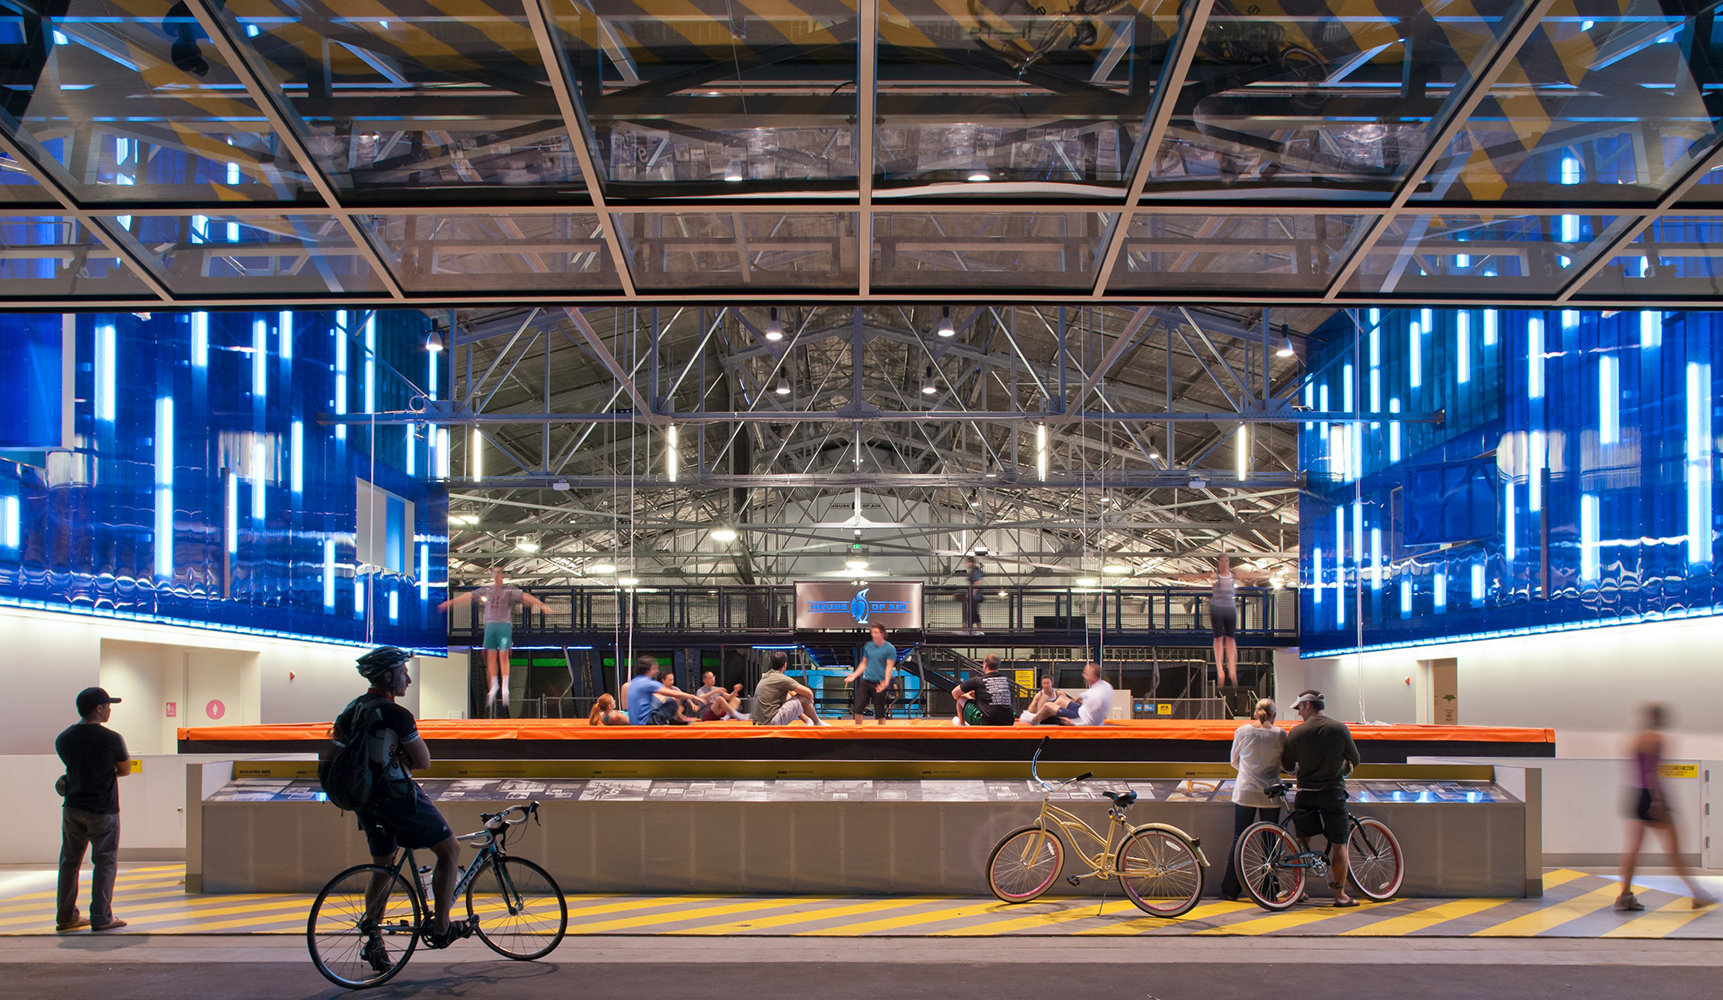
1160 867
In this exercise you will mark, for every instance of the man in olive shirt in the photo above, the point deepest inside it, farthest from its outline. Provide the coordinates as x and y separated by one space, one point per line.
95 757
779 700
1321 752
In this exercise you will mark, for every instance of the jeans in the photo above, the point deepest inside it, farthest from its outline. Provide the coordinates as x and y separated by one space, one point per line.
1242 818
101 833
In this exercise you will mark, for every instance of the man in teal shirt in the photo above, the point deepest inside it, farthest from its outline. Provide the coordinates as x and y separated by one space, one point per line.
879 661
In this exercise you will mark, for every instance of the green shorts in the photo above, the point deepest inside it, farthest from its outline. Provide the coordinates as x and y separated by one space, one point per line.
972 714
499 635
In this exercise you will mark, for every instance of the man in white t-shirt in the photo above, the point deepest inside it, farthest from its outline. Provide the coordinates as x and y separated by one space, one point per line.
1090 710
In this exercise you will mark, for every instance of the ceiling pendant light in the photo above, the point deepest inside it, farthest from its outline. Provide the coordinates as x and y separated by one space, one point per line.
774 326
1285 350
783 385
945 328
927 386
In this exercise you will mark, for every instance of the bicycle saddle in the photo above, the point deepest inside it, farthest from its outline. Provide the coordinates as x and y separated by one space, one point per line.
1122 800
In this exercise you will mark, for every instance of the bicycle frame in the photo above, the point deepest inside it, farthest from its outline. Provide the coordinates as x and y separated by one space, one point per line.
1100 864
488 853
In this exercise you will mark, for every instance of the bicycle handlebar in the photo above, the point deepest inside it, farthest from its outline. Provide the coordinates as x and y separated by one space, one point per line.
498 821
1035 773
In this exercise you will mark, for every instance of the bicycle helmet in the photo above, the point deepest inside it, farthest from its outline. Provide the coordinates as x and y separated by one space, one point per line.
375 665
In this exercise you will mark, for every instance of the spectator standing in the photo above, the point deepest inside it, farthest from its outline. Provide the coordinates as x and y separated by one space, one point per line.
779 700
1257 748
872 676
1321 752
985 699
973 595
95 758
1648 809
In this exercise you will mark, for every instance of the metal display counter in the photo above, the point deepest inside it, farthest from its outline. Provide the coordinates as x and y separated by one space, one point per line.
625 828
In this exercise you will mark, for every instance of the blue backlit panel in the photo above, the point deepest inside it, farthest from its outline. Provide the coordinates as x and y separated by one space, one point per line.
1569 483
199 488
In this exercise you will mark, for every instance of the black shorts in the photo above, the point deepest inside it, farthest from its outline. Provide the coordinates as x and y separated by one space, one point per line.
869 691
1223 621
1641 805
412 823
1321 811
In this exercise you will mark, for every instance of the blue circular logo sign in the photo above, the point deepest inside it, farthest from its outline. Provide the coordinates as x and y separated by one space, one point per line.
858 606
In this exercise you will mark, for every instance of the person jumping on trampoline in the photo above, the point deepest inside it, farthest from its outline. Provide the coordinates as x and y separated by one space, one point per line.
500 601
872 676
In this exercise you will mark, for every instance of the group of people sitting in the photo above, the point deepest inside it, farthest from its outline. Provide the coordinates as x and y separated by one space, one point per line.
986 699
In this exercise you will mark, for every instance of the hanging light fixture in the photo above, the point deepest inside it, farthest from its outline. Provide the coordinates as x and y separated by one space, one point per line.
434 343
725 534
736 172
927 386
774 326
1285 350
945 328
783 384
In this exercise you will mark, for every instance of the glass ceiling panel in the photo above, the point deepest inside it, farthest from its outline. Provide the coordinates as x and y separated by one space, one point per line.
716 97
17 187
1296 99
1677 255
1607 108
1480 254
1232 252
1005 92
55 256
496 253
269 254
962 251
122 114
737 250
401 101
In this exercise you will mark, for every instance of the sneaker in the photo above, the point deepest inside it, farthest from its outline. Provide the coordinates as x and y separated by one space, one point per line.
1627 902
376 954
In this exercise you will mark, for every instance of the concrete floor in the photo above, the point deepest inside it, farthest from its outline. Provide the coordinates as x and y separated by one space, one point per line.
776 969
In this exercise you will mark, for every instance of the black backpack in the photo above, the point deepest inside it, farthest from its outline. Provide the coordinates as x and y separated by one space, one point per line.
345 770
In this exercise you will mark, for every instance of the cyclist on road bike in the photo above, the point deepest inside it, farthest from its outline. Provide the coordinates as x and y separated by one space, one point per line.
400 814
1320 752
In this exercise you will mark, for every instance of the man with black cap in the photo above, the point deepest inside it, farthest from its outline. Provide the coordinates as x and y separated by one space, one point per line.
1320 751
95 757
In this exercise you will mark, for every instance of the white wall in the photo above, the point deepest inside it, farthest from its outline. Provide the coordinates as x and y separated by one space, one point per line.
1584 684
152 808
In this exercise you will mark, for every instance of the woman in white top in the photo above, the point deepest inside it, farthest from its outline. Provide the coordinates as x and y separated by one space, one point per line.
1256 749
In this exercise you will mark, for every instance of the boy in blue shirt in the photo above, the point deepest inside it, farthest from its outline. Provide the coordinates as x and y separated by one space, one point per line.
879 662
649 702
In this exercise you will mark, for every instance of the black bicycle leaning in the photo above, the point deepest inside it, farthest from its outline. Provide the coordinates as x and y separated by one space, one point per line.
1273 863
368 920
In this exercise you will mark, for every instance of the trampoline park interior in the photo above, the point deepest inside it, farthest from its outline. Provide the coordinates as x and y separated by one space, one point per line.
726 329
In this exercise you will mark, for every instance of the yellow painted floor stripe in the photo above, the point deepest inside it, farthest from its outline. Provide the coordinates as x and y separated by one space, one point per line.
1140 925
973 908
1661 921
1553 916
1423 919
677 916
1087 909
48 905
180 902
1297 917
808 917
1559 877
84 889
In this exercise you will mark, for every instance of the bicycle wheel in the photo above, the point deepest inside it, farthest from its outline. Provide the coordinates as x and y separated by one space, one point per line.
363 926
1025 864
1263 852
1160 872
522 914
1375 866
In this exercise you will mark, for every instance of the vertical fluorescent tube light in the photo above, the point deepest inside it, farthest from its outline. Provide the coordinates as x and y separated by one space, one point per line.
1346 388
394 606
1405 597
1508 520
1535 358
200 340
434 464
1698 463
1463 348
1650 328
286 326
1570 229
1491 319
371 363
1375 346
1477 584
260 358
1375 558
296 458
424 572
1375 390
1316 574
1535 472
1393 432
1339 588
443 453
1041 452
358 593
1589 544
1414 353
11 523
476 460
1358 533
670 456
1440 591
232 513
411 441
107 346
341 371
164 538
259 477
1609 399
329 574
1243 449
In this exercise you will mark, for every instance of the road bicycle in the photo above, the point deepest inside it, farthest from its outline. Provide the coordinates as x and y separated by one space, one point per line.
1160 867
368 920
1273 862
